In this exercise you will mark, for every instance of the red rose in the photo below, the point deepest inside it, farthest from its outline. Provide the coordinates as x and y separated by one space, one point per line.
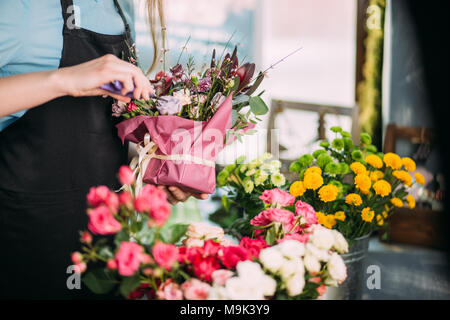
253 246
205 266
232 255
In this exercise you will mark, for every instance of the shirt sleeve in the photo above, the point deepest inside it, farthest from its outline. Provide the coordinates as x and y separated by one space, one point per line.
12 21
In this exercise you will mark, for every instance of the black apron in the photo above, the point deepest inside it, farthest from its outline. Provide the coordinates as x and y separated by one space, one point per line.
49 158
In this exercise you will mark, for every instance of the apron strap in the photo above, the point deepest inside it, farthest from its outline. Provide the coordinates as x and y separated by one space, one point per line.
65 6
127 26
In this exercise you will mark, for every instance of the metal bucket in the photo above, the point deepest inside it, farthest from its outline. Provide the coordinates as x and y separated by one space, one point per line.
352 287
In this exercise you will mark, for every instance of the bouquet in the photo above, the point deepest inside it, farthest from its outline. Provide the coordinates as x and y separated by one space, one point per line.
189 119
354 188
138 255
244 183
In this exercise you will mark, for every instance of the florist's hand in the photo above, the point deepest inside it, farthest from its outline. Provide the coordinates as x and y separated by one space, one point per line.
175 194
86 79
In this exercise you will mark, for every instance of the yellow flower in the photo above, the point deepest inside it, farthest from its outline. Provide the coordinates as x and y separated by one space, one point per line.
329 221
340 215
420 179
313 169
297 189
328 193
363 182
382 188
376 175
403 176
375 161
353 199
367 214
385 214
392 160
409 164
320 217
380 220
313 181
358 168
411 201
397 202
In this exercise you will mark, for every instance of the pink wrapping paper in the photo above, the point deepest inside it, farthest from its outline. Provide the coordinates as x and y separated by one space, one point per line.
175 135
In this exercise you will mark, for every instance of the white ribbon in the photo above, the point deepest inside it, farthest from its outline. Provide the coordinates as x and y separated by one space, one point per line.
147 151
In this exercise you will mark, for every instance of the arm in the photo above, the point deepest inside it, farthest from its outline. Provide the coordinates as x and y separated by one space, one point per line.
24 91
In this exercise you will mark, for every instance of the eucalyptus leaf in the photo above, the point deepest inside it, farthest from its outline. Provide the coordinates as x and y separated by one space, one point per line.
240 99
258 106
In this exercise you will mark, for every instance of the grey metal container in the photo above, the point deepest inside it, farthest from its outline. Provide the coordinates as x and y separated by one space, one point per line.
352 287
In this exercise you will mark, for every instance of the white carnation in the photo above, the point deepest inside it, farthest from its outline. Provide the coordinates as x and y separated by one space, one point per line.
337 268
291 249
295 285
311 263
340 244
271 258
322 238
291 267
320 254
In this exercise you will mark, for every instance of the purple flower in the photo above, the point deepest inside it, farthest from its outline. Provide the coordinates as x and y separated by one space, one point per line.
118 108
177 71
204 84
217 100
169 105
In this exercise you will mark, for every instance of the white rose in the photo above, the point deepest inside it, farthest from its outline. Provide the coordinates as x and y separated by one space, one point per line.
340 244
239 289
193 242
271 258
322 238
291 267
337 268
311 263
295 285
268 285
217 293
320 254
291 249
250 271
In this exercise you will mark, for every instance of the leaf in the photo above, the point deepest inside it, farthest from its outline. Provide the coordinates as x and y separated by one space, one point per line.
258 106
256 84
173 233
100 281
146 235
129 284
243 98
106 253
121 237
237 82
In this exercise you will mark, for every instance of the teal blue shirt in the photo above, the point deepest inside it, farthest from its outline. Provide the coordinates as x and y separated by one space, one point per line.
31 33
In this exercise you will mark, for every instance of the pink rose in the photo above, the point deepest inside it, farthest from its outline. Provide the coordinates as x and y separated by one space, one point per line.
102 196
126 199
195 289
111 264
86 237
131 106
220 277
77 257
153 201
128 258
126 175
80 267
306 211
205 266
253 246
169 290
101 221
166 255
232 255
273 215
278 196
321 290
303 238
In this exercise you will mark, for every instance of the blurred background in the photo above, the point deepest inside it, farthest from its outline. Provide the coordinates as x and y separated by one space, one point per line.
361 66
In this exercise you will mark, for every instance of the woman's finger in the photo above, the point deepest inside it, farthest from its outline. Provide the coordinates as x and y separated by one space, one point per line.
201 196
170 196
101 92
179 194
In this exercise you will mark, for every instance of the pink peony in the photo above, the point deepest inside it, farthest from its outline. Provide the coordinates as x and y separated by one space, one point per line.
128 258
195 289
232 255
273 215
101 221
153 201
165 254
306 211
303 238
126 175
277 196
220 277
169 290
253 246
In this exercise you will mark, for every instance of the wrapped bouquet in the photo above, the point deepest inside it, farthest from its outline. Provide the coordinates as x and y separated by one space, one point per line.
137 254
189 119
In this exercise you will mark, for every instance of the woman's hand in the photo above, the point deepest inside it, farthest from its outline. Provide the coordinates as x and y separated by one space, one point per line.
86 79
175 194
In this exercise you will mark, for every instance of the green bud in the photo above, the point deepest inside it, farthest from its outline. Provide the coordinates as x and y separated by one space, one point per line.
317 153
366 138
195 80
336 129
295 166
240 160
338 144
324 144
301 175
371 148
323 160
332 168
344 168
222 178
229 168
357 155
348 143
346 134
340 187
306 160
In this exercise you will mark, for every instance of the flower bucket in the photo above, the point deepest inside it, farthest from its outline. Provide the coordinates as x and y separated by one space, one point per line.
352 287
